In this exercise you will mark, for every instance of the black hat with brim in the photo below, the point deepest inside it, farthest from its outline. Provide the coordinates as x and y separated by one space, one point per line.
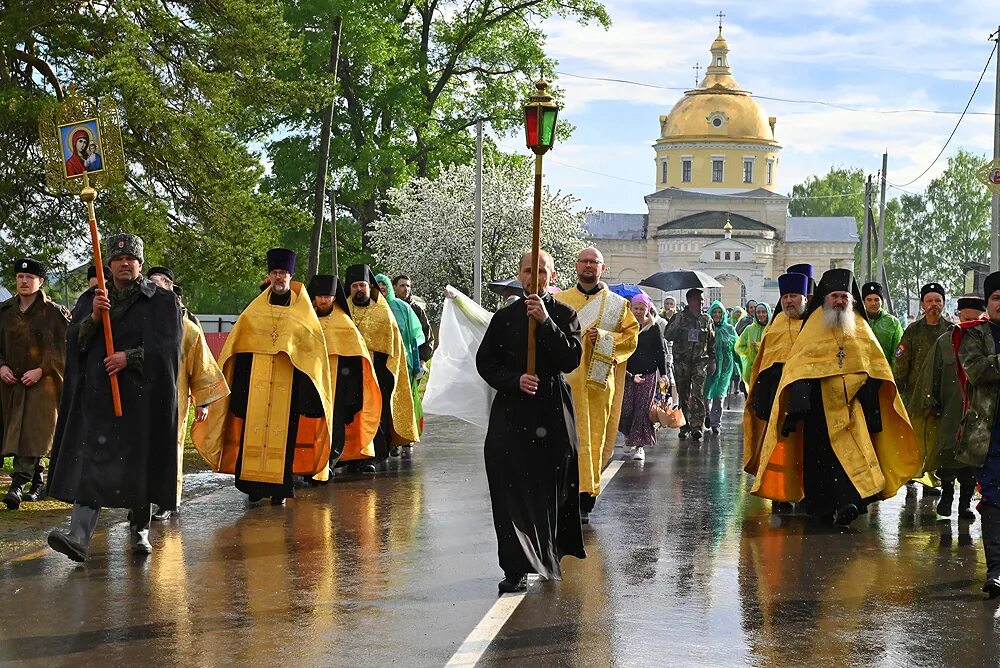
163 271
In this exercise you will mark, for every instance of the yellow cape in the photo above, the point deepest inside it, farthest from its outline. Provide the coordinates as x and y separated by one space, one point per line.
344 340
877 466
299 343
199 380
775 346
598 384
381 334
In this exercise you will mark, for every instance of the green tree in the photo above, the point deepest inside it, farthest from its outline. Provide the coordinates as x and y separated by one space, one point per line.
198 83
841 192
958 225
413 78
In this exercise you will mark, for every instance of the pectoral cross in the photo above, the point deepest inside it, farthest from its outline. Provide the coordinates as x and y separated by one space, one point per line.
840 357
274 335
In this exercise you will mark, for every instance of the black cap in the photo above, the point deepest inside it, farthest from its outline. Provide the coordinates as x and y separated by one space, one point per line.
178 290
991 284
358 273
871 289
322 285
972 302
281 258
692 292
125 244
931 288
26 265
163 271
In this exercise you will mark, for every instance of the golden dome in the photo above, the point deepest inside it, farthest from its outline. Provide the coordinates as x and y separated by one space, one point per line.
718 109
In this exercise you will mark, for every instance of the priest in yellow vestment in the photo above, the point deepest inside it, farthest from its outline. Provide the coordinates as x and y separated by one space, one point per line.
199 378
357 401
378 327
765 373
838 423
277 422
610 335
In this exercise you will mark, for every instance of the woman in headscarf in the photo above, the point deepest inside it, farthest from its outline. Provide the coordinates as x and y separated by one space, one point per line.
749 341
413 338
642 374
717 383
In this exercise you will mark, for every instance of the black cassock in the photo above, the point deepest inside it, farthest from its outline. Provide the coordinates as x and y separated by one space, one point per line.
100 460
531 443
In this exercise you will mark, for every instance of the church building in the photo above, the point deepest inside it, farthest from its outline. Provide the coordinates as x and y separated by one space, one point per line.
716 207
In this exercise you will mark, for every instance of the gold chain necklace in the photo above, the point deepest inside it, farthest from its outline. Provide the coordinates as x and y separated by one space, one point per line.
275 321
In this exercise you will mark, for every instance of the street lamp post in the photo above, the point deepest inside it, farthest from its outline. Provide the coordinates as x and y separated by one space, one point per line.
540 113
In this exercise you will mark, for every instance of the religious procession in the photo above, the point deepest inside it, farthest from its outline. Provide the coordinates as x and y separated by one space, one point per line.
311 352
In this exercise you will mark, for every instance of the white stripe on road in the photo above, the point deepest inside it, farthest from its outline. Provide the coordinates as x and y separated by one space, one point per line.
475 644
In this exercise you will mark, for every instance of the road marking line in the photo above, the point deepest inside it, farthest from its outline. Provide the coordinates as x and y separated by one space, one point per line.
476 643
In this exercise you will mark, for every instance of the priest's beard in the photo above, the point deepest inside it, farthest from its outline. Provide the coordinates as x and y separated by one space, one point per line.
837 319
323 311
361 299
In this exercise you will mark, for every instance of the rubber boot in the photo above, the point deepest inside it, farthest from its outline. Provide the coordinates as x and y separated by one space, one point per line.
76 543
15 494
947 496
990 518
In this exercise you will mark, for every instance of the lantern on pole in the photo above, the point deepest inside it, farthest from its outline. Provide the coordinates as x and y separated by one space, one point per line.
540 114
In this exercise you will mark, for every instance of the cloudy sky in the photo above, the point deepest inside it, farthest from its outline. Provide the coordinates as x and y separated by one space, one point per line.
873 55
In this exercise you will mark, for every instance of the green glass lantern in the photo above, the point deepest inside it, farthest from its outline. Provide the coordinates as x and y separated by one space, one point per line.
540 113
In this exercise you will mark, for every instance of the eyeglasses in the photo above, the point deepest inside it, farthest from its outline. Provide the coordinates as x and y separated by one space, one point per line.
589 262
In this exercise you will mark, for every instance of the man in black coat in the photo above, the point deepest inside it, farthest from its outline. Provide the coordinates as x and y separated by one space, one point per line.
531 443
129 461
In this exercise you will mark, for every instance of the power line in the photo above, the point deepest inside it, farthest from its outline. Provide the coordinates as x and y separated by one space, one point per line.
959 122
833 105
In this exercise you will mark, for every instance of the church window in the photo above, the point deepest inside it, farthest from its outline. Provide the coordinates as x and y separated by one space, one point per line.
736 256
727 255
686 171
663 171
717 122
718 255
718 61
770 172
747 171
717 170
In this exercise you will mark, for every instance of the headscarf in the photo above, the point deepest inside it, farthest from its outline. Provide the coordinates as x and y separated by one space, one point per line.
717 384
745 347
409 325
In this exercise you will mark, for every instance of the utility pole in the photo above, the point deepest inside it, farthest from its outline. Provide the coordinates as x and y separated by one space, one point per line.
995 228
334 268
866 255
319 191
477 260
881 222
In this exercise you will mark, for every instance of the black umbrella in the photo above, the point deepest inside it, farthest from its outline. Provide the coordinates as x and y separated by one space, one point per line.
683 279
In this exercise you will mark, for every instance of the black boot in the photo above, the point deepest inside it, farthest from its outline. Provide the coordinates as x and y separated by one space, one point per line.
37 492
947 496
16 492
513 583
965 501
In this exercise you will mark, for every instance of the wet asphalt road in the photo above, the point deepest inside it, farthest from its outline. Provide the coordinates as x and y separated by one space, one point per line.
684 568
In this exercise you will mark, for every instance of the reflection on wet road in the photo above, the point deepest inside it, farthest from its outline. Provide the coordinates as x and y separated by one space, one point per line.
684 568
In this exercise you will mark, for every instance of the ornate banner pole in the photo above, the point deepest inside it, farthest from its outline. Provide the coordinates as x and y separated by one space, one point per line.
82 149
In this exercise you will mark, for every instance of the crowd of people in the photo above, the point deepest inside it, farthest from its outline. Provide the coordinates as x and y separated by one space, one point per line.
843 407
312 381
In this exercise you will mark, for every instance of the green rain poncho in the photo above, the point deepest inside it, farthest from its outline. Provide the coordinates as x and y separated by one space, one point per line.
717 384
749 342
409 326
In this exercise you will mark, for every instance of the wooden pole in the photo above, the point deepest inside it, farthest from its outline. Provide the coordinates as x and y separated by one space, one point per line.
880 242
995 200
536 248
477 258
88 195
322 162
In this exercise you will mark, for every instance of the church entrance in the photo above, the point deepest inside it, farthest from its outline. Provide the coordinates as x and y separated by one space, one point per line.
732 293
